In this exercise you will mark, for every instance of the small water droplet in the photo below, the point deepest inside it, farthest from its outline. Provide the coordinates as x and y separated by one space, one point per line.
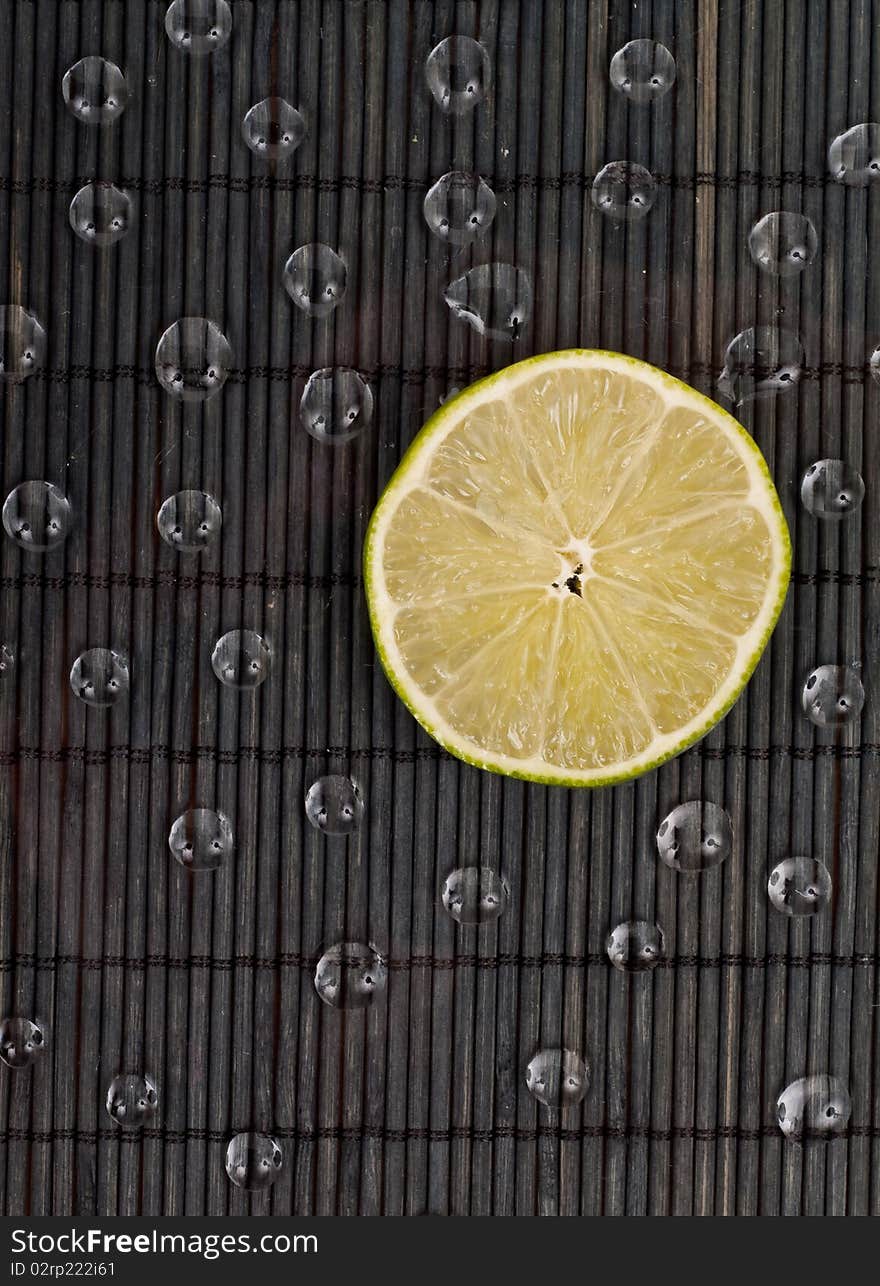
635 946
198 26
494 298
459 207
99 677
813 1106
273 129
474 895
799 886
7 662
241 659
22 343
643 71
132 1099
20 1042
831 489
189 521
695 836
315 277
854 155
832 696
783 243
760 362
36 515
350 975
201 840
95 90
624 191
100 214
335 805
336 405
193 358
253 1161
558 1077
459 73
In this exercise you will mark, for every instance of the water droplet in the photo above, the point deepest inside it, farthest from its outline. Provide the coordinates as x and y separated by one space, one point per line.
99 677
635 946
350 975
100 214
253 1160
558 1077
833 696
335 805
459 73
494 298
315 277
273 129
7 662
20 1042
695 836
854 156
799 886
189 521
624 191
95 90
132 1099
37 516
760 362
783 243
831 489
241 659
193 359
22 343
198 26
336 405
813 1105
201 840
643 71
459 207
474 895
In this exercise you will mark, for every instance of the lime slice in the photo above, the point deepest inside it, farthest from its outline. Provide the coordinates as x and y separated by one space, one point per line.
575 568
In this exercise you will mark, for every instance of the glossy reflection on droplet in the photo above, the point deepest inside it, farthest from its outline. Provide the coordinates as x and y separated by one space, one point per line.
193 358
459 73
336 405
635 946
813 1106
832 696
315 277
832 489
198 26
495 299
99 677
783 243
20 1042
350 975
189 521
335 805
623 191
854 155
253 1161
100 214
22 343
7 662
132 1099
37 516
643 71
94 89
273 129
759 363
201 839
459 207
799 886
474 895
696 836
241 659
558 1078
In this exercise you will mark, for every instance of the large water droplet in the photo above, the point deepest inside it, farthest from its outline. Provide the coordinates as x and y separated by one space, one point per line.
99 677
100 214
854 155
799 886
193 359
22 343
558 1077
335 805
783 243
37 516
20 1042
350 975
253 1161
132 1099
459 207
643 71
7 662
813 1106
336 405
474 895
624 191
273 129
315 277
189 521
635 946
760 362
832 489
94 89
494 298
198 26
833 696
695 836
201 840
459 73
241 659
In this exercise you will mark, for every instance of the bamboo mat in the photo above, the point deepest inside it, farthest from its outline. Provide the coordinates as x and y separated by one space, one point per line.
130 963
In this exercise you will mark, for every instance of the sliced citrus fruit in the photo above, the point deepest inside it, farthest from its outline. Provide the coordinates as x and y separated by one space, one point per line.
575 568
